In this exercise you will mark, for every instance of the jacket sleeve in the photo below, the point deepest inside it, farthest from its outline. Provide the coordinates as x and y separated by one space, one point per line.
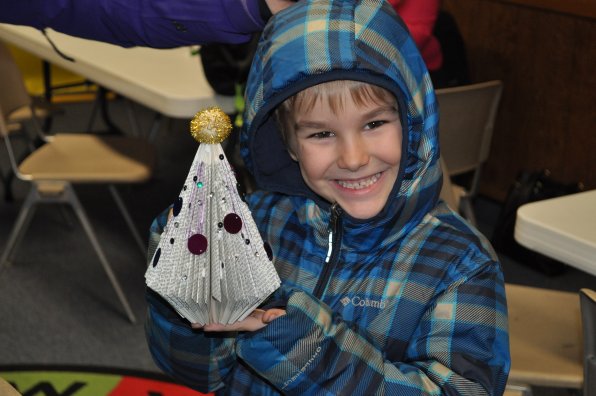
460 347
151 23
192 357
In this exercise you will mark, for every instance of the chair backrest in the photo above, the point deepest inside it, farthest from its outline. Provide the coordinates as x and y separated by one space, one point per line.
588 310
13 96
4 135
447 193
467 114
13 93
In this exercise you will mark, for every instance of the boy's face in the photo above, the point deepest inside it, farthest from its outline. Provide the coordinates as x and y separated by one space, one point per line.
350 156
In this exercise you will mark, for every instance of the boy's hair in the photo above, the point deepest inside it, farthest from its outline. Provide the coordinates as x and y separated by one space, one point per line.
333 92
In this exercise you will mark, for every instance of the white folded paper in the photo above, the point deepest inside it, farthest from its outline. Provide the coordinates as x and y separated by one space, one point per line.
211 264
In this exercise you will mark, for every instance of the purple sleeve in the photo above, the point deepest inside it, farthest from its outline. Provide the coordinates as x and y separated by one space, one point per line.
151 23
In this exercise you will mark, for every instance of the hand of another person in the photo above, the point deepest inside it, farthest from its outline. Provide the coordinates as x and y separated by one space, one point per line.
277 5
255 321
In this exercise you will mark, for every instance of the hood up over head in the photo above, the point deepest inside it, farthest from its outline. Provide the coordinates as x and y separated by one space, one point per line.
319 41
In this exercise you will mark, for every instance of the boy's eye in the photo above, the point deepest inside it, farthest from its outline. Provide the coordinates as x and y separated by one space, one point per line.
321 135
375 124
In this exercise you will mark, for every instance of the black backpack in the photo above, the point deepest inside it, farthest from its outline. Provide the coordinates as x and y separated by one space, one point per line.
529 186
454 71
226 66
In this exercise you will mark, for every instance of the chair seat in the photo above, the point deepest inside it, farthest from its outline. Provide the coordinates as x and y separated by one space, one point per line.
25 113
6 389
64 160
88 158
545 337
514 392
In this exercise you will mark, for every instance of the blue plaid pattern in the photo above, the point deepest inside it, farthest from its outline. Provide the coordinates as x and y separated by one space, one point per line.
415 302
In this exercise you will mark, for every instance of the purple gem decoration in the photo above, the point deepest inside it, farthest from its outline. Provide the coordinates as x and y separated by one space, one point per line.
177 206
268 250
197 244
156 257
232 223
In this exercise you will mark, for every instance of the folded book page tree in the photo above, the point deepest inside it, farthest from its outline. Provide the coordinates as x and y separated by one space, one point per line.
211 264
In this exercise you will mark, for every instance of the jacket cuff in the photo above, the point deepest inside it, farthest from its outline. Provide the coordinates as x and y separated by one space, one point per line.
291 346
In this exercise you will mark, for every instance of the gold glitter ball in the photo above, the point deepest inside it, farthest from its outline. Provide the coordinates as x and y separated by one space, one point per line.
210 126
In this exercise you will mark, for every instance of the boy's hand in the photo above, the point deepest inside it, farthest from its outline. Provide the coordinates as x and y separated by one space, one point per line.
255 321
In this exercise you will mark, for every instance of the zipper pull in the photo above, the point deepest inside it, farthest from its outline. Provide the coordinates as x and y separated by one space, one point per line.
335 213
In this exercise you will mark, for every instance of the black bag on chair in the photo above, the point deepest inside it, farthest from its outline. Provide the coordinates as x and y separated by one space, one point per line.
454 71
529 186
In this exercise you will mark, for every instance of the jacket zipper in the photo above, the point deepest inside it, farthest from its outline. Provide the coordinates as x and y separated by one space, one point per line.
335 234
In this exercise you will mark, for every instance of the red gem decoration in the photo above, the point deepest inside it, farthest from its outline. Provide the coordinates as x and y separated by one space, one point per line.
197 244
232 223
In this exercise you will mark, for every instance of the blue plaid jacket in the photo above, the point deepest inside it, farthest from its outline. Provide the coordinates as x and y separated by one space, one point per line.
411 301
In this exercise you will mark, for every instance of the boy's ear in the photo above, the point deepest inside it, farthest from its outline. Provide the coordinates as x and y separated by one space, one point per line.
293 155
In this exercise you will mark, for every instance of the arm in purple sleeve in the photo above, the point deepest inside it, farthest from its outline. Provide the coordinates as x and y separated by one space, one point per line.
151 23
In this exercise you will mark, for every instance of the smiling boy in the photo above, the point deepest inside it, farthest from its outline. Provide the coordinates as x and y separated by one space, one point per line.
348 146
385 290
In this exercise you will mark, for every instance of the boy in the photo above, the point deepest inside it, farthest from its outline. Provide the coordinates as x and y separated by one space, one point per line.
384 291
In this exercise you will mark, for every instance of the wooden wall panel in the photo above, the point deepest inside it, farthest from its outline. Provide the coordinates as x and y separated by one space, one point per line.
583 8
547 61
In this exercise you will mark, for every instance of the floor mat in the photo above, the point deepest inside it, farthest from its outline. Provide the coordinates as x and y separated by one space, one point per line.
90 381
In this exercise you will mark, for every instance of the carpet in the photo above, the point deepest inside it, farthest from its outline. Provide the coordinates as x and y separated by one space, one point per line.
90 381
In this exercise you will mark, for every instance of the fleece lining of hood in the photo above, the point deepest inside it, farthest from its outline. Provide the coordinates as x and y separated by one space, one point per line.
273 165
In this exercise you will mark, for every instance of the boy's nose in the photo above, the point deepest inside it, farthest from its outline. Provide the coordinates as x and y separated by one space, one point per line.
353 155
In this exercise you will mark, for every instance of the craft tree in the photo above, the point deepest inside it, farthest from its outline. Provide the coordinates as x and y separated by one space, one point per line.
211 264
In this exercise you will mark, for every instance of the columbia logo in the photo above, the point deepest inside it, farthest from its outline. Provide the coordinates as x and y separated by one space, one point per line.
363 302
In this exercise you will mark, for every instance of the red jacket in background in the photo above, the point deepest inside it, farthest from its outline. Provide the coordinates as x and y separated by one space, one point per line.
420 17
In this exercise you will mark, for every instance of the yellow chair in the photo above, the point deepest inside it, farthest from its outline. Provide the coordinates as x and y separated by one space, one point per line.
66 159
467 114
43 79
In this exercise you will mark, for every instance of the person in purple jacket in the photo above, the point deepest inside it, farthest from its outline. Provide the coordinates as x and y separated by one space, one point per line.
149 23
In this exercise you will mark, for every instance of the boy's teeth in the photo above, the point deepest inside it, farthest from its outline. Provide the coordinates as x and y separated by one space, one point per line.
360 184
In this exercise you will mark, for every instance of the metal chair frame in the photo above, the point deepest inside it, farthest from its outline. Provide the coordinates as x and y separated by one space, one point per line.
119 159
467 115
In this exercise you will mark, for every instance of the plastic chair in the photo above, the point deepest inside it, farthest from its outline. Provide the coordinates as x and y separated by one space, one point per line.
66 159
21 105
545 336
447 189
467 115
516 390
6 389
588 311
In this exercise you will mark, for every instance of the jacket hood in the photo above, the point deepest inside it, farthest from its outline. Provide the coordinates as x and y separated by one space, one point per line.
317 41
